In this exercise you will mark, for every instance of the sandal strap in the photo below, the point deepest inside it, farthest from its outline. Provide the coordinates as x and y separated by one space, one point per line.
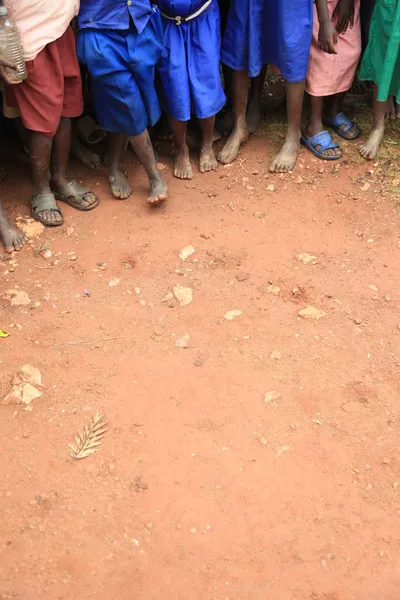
342 121
323 139
44 201
72 189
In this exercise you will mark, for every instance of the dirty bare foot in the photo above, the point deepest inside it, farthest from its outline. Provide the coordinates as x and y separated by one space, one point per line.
158 188
87 157
119 184
12 237
370 148
231 149
286 158
182 166
208 162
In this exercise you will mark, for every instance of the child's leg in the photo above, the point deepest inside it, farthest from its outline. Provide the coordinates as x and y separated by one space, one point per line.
182 166
145 154
120 187
240 133
370 148
254 106
208 162
287 156
315 125
11 237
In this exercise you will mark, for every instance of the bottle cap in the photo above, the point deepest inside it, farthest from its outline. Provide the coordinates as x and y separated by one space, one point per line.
3 11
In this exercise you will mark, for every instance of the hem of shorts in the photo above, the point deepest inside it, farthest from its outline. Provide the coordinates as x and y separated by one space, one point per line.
236 67
206 116
326 94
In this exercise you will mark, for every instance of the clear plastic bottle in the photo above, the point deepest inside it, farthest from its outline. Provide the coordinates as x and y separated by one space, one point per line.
11 48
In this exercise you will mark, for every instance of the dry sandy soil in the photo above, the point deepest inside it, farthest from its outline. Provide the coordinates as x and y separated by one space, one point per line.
204 487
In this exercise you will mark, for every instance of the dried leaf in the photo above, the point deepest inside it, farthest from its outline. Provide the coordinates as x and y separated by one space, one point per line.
89 439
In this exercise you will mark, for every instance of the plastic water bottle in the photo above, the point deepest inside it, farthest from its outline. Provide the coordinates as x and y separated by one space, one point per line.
11 48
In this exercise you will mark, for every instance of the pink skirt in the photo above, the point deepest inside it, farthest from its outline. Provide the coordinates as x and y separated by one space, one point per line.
330 74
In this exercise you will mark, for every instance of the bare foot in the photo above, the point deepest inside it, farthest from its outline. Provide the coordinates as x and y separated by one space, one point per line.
12 237
370 148
286 158
86 156
158 189
253 117
391 108
208 162
182 166
119 184
231 149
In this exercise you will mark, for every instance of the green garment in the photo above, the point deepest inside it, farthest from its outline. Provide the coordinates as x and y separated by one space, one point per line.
381 60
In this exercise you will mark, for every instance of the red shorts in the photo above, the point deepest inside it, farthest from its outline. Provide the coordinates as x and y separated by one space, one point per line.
53 88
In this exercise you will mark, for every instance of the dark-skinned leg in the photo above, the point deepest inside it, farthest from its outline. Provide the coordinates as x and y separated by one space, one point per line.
315 125
254 105
182 166
208 162
145 154
119 183
287 156
59 164
370 148
240 133
12 237
39 146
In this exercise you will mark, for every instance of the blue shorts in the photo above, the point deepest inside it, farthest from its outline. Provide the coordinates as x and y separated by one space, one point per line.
189 69
121 66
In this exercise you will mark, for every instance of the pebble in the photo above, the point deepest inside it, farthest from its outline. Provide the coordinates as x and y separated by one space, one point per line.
232 314
369 487
270 188
113 282
305 258
70 231
282 450
396 484
73 257
310 312
184 295
388 298
259 215
272 395
299 179
47 254
357 321
373 287
263 441
365 187
183 341
198 362
193 530
242 276
273 289
276 355
186 252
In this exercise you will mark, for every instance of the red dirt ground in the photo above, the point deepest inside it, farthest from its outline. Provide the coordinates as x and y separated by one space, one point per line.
201 490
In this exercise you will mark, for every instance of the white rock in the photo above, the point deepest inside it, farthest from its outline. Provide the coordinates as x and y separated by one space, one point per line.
232 314
30 374
29 393
184 295
305 258
186 252
113 282
271 396
310 312
183 341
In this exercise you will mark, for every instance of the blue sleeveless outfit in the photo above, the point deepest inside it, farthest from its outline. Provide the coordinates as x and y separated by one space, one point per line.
275 32
189 68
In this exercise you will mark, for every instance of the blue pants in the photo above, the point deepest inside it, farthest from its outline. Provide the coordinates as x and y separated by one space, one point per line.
276 32
189 67
121 66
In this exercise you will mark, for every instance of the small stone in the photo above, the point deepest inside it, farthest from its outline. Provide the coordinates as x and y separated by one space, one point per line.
113 282
73 257
323 562
183 341
388 298
369 487
305 258
386 461
296 291
184 295
242 276
299 179
259 214
70 231
17 297
161 166
357 321
48 254
205 236
193 530
276 355
272 395
365 187
232 314
310 312
373 287
198 362
263 441
270 188
273 289
142 302
282 450
396 484
186 252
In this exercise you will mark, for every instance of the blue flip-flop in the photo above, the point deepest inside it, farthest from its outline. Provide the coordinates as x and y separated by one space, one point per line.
341 124
325 141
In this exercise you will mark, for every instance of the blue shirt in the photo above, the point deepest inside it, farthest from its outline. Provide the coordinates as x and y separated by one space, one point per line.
114 14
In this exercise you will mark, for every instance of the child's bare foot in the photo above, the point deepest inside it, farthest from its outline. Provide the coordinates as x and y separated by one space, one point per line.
119 184
208 162
158 189
286 158
12 237
87 157
370 148
231 149
182 166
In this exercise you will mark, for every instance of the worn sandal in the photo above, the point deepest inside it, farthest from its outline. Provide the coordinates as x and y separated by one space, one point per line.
341 124
41 203
324 140
73 194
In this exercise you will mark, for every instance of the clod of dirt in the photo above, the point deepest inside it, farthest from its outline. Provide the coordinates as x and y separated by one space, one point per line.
232 314
271 396
305 258
365 187
25 386
242 276
282 450
270 187
273 289
184 295
30 227
113 282
310 312
183 341
276 355
186 252
17 297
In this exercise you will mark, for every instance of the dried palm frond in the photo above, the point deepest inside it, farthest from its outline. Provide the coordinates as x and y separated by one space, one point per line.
88 440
